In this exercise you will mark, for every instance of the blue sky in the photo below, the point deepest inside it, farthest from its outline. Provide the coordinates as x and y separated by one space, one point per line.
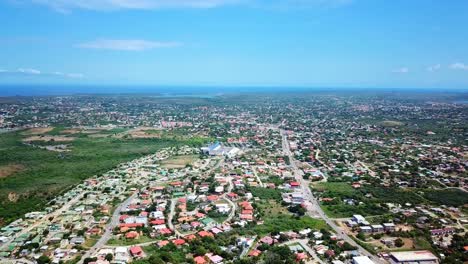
316 43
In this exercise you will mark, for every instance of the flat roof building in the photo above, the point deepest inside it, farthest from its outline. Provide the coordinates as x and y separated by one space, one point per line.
413 257
362 260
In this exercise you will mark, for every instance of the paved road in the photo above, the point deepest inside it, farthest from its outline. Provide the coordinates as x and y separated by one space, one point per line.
171 216
315 208
233 205
109 227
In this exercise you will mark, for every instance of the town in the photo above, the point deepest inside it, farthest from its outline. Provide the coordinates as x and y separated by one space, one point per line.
315 178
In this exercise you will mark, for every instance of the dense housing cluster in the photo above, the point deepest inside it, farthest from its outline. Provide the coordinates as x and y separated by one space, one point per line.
290 178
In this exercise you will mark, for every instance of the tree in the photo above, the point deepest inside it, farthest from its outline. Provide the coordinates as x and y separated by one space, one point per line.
88 260
399 242
109 257
361 236
43 260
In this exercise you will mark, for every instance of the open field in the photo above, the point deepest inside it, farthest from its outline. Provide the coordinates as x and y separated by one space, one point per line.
285 223
389 123
47 173
11 169
49 139
271 208
37 131
178 162
341 188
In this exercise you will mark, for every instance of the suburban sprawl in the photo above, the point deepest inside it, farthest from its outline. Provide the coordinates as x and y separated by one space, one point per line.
325 177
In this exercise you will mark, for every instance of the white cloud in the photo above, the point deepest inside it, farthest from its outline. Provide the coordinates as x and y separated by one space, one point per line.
75 75
29 71
434 68
106 5
401 70
64 5
127 44
459 66
34 72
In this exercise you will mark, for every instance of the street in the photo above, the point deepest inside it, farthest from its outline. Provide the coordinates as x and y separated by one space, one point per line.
315 210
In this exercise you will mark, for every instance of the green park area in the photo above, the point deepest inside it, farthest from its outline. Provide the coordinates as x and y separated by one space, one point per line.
35 167
369 200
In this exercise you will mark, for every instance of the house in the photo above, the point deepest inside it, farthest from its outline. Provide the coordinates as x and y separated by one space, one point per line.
351 223
77 240
295 185
223 207
301 257
204 233
389 226
132 235
377 228
442 231
163 243
267 240
200 260
359 219
178 242
366 229
137 252
215 259
121 255
255 253
297 198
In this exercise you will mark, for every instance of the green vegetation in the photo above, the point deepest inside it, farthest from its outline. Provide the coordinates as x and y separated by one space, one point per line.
450 197
285 223
47 173
368 200
344 210
127 242
271 208
335 188
265 193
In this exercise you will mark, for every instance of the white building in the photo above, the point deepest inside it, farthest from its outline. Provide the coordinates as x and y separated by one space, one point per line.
362 260
413 257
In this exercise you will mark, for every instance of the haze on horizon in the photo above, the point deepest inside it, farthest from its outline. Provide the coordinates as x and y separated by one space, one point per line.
317 43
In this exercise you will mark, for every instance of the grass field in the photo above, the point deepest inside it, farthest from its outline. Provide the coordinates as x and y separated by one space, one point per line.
285 223
44 174
341 188
271 208
127 242
177 162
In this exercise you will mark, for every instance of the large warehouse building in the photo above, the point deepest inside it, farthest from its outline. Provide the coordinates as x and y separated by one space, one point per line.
413 257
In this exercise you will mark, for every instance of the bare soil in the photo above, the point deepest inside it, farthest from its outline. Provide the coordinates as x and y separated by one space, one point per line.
37 131
49 138
8 170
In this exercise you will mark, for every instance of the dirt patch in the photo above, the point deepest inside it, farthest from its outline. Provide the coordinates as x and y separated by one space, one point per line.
144 134
92 131
13 197
408 244
71 131
8 170
37 130
178 162
390 123
49 139
98 135
140 132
